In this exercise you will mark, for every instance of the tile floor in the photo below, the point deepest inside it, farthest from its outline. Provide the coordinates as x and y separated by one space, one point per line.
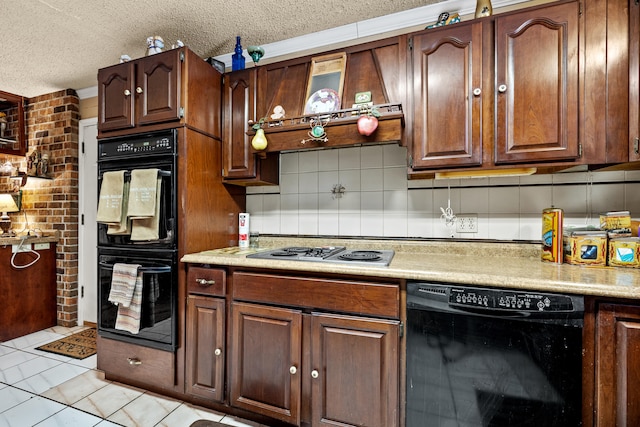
46 390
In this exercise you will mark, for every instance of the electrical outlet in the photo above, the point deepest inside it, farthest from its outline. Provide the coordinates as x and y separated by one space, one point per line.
467 223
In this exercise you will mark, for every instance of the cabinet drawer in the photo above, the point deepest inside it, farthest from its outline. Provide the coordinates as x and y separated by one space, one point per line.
206 281
140 365
363 298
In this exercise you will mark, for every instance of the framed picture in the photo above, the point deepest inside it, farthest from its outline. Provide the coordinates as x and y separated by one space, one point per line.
324 87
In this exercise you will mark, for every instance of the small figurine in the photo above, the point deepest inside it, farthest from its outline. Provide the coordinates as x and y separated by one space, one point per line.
155 45
278 112
124 58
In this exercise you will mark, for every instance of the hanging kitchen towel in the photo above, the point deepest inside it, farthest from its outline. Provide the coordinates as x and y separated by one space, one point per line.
123 281
124 226
110 199
142 193
147 228
128 318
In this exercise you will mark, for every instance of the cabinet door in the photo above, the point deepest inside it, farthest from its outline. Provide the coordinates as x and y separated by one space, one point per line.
266 357
447 73
205 355
354 364
537 85
634 80
239 107
617 365
116 97
158 88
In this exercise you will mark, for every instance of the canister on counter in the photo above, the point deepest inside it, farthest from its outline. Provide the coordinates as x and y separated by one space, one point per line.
552 235
585 246
624 252
243 230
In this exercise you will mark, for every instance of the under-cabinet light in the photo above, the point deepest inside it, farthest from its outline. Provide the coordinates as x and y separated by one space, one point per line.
486 173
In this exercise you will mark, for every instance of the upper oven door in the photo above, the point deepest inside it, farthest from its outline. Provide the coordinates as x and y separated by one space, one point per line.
152 233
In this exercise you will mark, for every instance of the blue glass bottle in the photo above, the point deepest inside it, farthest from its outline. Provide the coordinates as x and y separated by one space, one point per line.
237 59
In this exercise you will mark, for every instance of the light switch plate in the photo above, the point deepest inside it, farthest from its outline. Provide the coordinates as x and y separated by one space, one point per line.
41 246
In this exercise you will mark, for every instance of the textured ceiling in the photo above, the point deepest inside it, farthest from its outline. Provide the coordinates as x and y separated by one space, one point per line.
50 45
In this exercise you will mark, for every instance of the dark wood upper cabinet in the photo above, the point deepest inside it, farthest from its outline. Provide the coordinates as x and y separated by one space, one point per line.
164 90
12 124
537 69
239 101
447 103
634 80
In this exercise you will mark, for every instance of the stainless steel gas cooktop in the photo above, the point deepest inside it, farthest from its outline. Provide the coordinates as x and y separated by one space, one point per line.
333 254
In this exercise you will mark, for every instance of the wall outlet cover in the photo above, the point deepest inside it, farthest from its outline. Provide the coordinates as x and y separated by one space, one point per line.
467 223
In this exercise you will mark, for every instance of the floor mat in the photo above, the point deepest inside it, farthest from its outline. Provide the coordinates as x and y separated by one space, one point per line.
79 345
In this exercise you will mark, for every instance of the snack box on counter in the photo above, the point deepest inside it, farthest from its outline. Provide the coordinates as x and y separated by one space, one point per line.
624 252
585 246
615 220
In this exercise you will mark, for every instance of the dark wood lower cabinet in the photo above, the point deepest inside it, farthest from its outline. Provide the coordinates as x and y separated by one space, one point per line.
354 371
351 375
617 354
266 360
205 357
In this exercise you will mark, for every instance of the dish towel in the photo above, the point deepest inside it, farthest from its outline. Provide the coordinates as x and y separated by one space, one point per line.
110 199
148 228
142 193
126 293
124 226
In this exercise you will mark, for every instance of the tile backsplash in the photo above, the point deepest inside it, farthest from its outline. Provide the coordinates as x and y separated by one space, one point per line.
377 199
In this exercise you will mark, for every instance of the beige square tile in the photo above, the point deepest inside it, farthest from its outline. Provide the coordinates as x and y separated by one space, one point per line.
108 399
145 411
77 388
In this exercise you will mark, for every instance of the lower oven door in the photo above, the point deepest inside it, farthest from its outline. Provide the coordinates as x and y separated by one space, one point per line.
478 368
158 311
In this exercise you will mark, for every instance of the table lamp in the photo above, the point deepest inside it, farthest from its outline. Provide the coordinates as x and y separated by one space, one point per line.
7 204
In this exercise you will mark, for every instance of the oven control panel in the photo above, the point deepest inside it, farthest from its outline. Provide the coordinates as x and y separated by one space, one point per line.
509 300
137 145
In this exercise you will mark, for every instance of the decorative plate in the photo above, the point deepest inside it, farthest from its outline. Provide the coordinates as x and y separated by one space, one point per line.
322 101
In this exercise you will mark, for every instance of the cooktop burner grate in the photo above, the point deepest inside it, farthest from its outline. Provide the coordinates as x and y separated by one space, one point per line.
361 256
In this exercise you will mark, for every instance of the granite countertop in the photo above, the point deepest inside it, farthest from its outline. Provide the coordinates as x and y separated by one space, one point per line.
498 264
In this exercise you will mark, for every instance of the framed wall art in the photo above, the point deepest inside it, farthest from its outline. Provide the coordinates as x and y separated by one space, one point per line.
324 87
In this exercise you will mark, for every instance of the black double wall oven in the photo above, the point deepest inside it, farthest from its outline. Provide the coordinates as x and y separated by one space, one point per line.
157 257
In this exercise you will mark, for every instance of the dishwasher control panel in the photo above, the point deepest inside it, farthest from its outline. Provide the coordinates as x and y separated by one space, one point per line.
509 300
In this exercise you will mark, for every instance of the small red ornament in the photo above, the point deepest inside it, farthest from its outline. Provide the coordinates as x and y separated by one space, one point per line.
367 125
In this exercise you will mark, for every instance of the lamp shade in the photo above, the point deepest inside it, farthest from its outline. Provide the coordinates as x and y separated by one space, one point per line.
7 204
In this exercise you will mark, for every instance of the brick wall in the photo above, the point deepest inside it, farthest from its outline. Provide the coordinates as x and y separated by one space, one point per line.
51 205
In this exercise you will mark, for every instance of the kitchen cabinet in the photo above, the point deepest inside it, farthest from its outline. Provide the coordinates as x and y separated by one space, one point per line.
241 165
206 329
438 140
497 91
28 294
136 365
617 361
634 80
160 91
12 124
295 362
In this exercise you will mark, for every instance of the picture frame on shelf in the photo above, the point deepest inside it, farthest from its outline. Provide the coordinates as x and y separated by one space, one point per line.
325 83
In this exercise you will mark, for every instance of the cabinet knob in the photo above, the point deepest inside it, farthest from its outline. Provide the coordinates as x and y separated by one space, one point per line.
293 370
315 374
217 352
127 92
138 89
477 91
134 361
205 282
502 88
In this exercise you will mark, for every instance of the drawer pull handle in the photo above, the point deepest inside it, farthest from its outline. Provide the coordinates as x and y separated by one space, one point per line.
134 361
502 88
293 370
315 374
205 282
217 352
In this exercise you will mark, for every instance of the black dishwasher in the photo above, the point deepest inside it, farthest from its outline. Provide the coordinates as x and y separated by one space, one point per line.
481 357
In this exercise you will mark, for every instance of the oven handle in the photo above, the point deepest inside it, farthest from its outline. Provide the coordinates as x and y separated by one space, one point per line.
148 270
